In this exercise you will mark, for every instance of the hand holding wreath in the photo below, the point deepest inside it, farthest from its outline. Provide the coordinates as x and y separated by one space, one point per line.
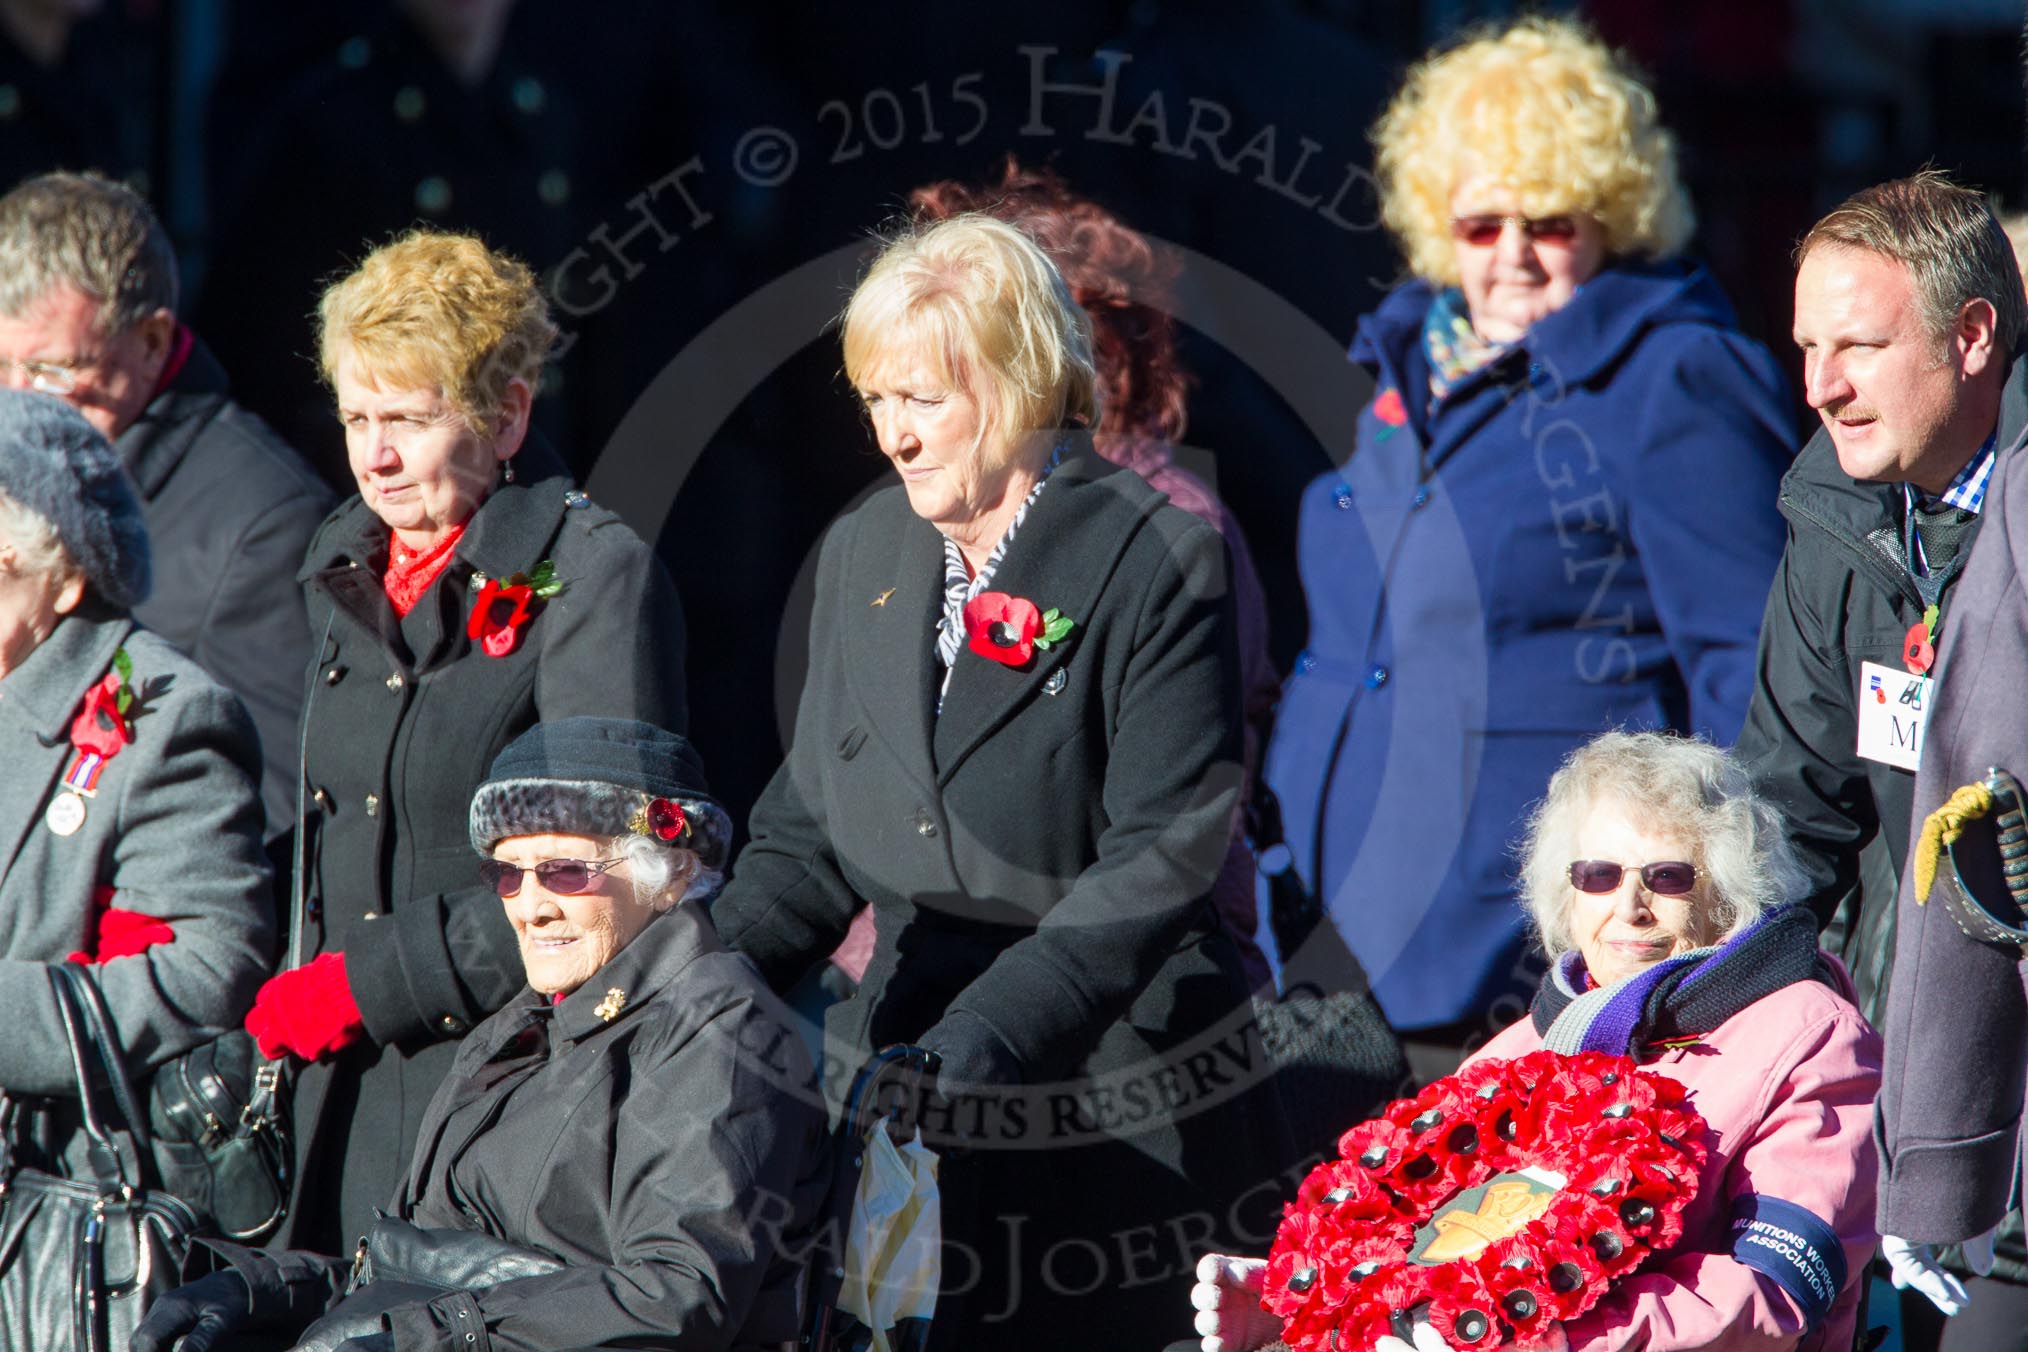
1487 1209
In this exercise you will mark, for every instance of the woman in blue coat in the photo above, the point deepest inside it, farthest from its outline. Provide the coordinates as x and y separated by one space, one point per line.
1559 516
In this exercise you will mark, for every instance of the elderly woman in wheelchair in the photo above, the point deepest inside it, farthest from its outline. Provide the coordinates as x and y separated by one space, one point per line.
627 1153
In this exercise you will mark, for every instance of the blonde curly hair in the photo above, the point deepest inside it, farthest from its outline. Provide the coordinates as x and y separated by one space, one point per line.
1545 109
434 308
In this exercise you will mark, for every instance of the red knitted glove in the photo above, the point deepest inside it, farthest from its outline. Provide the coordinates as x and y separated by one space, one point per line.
308 1010
121 933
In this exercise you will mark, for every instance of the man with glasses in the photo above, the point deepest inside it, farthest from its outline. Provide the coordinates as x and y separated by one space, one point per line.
88 293
1909 311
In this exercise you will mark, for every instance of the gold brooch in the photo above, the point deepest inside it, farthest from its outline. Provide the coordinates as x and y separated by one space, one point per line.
609 1008
881 599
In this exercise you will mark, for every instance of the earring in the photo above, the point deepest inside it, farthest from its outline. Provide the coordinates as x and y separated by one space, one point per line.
508 467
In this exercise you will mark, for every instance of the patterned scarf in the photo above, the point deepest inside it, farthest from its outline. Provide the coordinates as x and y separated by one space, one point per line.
410 573
1683 996
1453 346
960 587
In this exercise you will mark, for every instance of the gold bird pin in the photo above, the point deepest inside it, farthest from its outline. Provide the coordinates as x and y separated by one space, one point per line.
881 599
609 1008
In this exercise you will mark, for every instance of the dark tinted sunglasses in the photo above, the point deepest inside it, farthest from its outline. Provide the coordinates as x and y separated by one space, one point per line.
1482 232
564 877
1603 875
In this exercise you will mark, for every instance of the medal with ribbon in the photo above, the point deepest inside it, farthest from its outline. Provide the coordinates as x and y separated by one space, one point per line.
100 732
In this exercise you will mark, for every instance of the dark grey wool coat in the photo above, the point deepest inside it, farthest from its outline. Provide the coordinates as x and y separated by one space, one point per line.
230 508
1950 1115
402 720
1038 859
174 830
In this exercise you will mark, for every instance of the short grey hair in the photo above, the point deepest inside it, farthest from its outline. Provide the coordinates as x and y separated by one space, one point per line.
1948 239
89 233
655 867
1686 786
38 549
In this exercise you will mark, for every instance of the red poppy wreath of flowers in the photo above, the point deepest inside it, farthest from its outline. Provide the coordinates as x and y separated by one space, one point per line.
1428 1206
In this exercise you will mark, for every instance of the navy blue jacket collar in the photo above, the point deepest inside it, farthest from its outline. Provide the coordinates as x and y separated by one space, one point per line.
1603 320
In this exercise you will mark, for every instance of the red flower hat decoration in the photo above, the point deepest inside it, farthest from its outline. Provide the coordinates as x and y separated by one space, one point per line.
665 819
1008 629
1496 1202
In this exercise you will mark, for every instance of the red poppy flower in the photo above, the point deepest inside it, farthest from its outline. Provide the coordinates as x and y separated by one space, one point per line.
498 616
1461 1309
1002 628
665 819
1389 408
99 727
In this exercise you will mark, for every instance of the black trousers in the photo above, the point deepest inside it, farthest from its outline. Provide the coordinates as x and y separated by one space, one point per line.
1997 1320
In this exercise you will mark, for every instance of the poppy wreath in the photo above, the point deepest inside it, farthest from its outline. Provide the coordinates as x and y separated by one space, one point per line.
1495 1203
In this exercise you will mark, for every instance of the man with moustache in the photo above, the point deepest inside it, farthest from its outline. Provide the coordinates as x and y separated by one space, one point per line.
1909 309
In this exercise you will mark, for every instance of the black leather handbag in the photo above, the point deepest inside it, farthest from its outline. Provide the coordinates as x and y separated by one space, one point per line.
221 1135
81 1258
1336 1060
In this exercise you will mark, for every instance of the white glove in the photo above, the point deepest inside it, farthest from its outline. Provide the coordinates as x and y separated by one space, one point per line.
1427 1339
1227 1301
1915 1266
1979 1252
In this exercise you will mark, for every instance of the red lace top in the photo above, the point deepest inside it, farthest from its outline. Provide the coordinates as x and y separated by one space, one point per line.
410 572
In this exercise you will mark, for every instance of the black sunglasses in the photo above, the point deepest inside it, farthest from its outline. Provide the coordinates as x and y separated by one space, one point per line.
564 877
1603 875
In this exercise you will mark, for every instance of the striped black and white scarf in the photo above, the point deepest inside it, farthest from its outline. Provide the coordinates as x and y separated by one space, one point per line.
960 588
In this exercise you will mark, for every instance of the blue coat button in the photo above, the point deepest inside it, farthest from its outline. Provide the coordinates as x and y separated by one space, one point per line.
1421 495
1343 498
1376 678
1305 664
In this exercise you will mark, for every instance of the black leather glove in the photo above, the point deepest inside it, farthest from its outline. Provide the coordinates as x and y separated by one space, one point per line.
372 1342
200 1314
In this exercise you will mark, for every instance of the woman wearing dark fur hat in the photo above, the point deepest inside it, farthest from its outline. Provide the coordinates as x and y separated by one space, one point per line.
130 819
621 1157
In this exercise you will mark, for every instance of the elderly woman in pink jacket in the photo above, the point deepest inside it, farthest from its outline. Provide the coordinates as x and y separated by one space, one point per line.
1662 889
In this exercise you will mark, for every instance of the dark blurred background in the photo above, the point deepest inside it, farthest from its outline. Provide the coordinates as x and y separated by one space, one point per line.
639 153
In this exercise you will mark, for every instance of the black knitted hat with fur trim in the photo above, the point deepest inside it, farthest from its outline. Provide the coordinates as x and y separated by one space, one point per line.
597 777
